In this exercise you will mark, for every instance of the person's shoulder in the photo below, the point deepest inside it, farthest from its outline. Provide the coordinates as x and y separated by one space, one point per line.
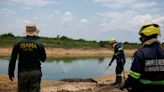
139 52
38 41
19 41
119 43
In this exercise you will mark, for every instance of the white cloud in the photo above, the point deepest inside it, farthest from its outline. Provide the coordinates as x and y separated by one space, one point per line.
127 21
114 21
143 5
67 17
117 15
114 3
5 11
141 19
84 21
135 4
32 2
83 24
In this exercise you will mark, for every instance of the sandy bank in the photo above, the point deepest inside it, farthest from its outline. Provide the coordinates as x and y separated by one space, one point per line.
60 52
102 85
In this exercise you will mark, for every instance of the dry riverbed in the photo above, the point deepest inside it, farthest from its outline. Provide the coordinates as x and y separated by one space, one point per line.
102 85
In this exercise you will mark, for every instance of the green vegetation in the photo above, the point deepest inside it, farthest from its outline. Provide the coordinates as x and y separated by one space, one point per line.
7 40
65 42
131 45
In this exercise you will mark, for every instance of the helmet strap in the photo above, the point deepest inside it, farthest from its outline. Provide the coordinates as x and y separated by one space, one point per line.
143 39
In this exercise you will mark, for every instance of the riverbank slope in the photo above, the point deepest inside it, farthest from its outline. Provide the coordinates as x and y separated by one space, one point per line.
74 52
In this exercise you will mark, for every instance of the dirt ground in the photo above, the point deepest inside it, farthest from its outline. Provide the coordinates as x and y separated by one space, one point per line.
60 52
102 85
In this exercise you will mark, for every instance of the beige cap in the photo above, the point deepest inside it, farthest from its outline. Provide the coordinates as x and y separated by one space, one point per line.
31 29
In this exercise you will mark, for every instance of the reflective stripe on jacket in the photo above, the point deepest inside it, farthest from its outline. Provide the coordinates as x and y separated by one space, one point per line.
148 67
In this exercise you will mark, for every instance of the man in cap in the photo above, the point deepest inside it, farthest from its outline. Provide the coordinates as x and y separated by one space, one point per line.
147 70
31 52
120 59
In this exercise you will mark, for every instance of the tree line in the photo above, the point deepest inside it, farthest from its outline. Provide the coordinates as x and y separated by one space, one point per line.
8 39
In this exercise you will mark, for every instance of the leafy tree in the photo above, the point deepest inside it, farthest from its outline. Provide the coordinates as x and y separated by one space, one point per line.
103 43
58 36
64 38
82 40
7 35
126 42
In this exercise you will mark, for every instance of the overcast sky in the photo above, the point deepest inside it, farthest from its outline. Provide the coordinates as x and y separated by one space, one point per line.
86 19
